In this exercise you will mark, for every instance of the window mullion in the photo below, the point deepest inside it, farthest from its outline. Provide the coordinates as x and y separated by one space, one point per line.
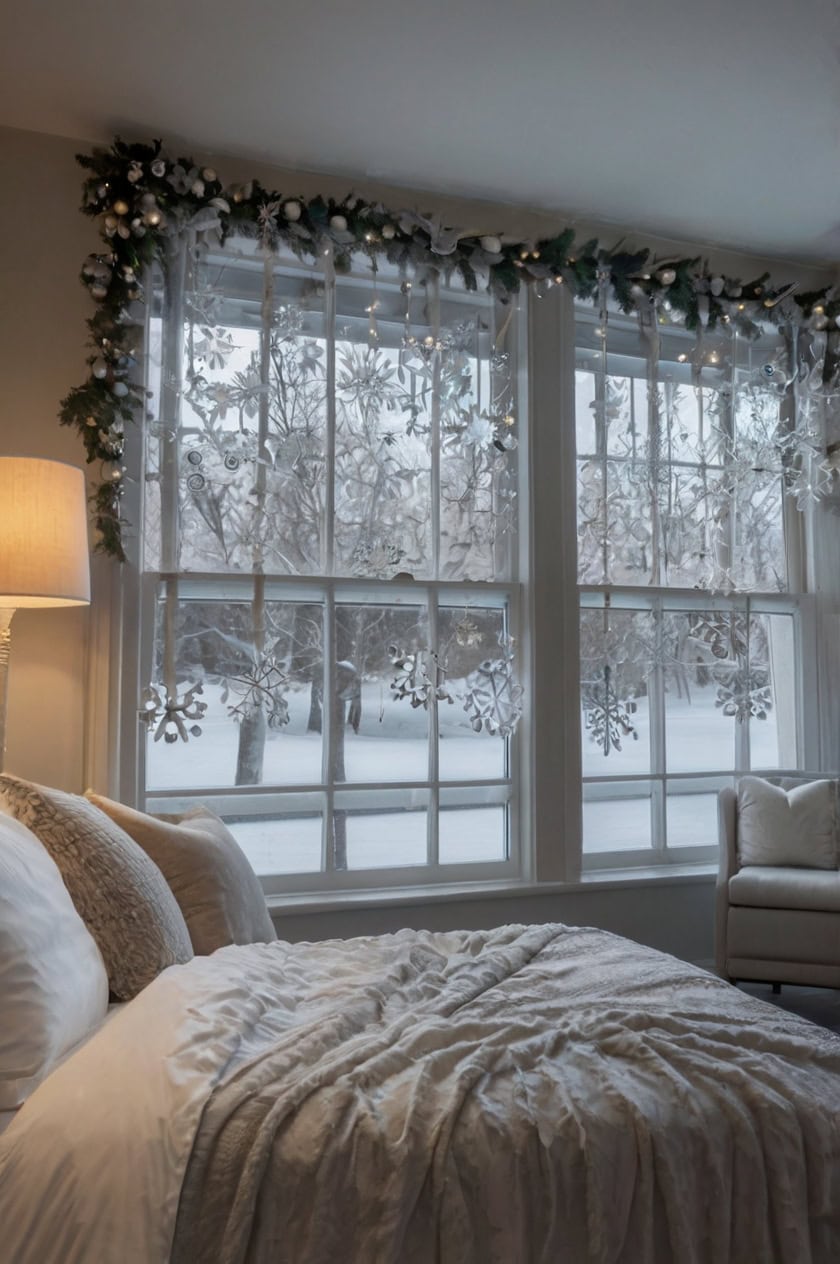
328 551
656 718
329 734
433 292
432 837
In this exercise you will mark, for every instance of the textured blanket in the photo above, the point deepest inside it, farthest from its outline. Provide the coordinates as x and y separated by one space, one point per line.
519 1096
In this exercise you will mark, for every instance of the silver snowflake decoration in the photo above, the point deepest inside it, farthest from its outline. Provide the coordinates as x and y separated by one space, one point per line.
379 558
261 686
170 713
493 700
745 692
607 717
419 676
467 631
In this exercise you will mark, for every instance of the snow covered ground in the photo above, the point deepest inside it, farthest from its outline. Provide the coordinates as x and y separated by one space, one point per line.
392 745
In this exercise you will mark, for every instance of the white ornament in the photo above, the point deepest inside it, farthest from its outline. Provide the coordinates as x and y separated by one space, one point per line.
292 210
338 223
667 276
716 286
197 188
491 244
208 174
99 368
120 389
158 168
389 232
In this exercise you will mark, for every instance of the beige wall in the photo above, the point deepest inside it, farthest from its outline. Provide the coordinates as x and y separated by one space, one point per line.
43 240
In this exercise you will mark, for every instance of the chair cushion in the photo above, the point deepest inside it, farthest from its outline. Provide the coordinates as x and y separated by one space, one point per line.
759 886
787 827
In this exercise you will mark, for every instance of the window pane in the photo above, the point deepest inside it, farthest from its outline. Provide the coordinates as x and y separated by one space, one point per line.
263 709
283 844
616 817
243 476
380 736
772 685
478 440
616 649
701 652
692 812
468 637
470 834
382 450
390 836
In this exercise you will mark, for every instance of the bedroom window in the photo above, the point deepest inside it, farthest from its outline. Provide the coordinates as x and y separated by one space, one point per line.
689 555
330 572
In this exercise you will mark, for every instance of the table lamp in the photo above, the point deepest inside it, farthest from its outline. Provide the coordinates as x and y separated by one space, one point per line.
43 547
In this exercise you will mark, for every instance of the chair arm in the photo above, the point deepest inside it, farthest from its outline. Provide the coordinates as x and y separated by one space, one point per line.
727 866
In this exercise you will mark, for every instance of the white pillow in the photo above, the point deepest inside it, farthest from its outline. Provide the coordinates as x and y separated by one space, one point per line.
787 827
53 982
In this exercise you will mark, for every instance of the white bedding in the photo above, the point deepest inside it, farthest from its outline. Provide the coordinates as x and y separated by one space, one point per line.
662 1115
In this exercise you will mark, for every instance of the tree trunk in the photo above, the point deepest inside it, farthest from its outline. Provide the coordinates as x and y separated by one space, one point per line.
249 756
314 724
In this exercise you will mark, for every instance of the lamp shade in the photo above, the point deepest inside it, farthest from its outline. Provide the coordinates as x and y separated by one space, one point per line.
43 534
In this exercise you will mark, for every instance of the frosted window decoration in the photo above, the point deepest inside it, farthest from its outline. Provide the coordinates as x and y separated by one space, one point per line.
490 694
682 476
169 713
608 719
260 687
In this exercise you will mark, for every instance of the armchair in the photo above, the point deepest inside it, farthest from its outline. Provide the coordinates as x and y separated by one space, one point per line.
775 923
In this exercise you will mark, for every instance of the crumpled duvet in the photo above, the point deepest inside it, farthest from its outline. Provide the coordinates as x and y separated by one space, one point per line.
520 1096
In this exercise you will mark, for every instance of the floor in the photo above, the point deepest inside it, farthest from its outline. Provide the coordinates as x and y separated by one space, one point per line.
820 1005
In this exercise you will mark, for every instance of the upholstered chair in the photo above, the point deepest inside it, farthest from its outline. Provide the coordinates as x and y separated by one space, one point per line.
778 922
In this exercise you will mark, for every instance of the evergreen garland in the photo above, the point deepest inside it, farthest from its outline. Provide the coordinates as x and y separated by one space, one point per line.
141 197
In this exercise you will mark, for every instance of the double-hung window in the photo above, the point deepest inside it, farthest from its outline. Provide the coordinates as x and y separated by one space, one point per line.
692 623
331 566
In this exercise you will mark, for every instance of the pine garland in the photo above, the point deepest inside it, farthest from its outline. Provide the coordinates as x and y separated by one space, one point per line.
141 197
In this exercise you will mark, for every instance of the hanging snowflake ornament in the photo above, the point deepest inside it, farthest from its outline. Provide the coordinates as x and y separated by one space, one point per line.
379 558
607 717
419 676
262 686
493 700
467 631
745 693
169 713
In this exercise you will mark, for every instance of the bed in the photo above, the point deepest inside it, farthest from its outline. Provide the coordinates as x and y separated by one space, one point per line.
526 1094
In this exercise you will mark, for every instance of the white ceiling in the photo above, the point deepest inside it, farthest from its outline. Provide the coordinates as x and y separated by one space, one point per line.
715 120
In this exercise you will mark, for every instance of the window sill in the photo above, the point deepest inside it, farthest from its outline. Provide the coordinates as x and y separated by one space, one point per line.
406 897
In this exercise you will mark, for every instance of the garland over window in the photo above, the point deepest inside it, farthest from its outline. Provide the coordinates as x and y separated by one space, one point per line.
141 197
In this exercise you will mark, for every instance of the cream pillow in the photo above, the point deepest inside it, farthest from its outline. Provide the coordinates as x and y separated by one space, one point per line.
121 896
208 872
787 827
53 982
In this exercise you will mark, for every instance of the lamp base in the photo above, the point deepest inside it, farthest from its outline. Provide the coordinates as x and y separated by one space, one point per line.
5 652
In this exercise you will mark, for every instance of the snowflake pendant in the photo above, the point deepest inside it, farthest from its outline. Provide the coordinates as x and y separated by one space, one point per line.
168 712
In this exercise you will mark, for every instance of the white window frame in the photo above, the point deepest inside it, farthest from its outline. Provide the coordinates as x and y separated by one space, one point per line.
794 602
137 611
